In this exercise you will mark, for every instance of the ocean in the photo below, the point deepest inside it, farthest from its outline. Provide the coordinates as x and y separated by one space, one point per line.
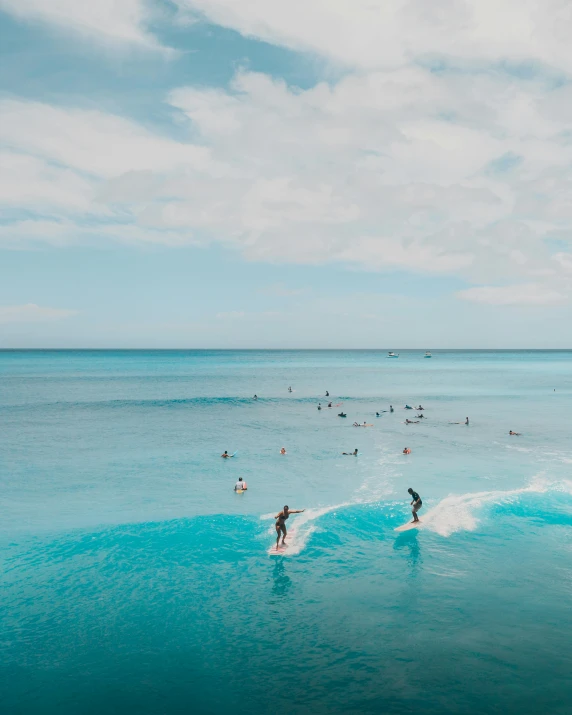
134 580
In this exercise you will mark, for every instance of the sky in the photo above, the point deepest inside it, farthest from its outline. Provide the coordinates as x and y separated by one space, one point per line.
305 174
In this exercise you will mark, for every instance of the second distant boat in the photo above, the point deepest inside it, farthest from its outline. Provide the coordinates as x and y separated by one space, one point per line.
390 354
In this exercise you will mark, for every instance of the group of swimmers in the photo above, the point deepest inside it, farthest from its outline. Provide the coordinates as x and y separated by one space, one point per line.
416 502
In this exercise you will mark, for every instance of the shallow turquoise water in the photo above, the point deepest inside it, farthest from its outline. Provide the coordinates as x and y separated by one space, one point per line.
135 580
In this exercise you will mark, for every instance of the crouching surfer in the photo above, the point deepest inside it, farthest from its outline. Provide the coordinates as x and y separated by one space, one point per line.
416 503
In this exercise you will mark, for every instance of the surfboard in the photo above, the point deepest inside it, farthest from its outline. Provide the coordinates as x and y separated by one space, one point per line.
273 551
409 525
277 551
240 491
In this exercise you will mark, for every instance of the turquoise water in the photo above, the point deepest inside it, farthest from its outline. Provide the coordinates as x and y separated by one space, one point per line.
135 580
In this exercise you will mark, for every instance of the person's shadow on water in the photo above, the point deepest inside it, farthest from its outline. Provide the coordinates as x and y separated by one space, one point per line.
408 543
282 582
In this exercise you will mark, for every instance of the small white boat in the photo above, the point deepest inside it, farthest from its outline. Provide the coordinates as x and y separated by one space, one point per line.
390 354
428 354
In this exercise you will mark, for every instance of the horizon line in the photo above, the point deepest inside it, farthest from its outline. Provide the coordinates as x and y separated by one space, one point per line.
259 349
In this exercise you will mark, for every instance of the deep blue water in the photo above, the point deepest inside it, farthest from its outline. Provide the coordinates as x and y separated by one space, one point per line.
135 580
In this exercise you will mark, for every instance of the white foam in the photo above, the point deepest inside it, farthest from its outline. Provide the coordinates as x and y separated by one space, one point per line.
459 512
301 527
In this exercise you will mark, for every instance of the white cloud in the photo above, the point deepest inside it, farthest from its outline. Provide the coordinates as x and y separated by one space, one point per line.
33 183
32 313
455 173
524 294
66 232
95 143
369 34
109 21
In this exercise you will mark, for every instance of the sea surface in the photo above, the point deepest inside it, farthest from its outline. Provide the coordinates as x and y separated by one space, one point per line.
134 580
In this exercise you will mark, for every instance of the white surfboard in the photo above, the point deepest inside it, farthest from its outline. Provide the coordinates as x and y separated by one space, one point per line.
409 525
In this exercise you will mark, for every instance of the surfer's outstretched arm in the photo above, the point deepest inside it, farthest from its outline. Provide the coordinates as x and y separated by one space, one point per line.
296 511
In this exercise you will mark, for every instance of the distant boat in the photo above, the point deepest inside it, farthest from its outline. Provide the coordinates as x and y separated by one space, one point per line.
428 354
392 355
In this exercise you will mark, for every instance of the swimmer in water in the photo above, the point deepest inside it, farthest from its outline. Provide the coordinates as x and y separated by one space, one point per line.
342 414
466 420
406 450
411 422
226 455
327 394
281 523
283 450
329 404
351 454
240 486
255 397
289 389
319 406
416 503
514 434
391 408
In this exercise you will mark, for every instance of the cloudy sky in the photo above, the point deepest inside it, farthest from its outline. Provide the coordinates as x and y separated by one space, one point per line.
310 173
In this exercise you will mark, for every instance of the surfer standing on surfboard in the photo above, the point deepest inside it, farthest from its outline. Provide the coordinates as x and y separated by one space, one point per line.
281 523
416 503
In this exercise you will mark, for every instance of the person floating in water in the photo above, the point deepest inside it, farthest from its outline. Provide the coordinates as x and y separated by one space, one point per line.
289 389
330 404
327 394
255 397
319 406
283 450
466 420
406 450
420 408
281 523
391 408
411 422
240 486
351 454
421 417
342 414
226 455
514 434
377 414
416 503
